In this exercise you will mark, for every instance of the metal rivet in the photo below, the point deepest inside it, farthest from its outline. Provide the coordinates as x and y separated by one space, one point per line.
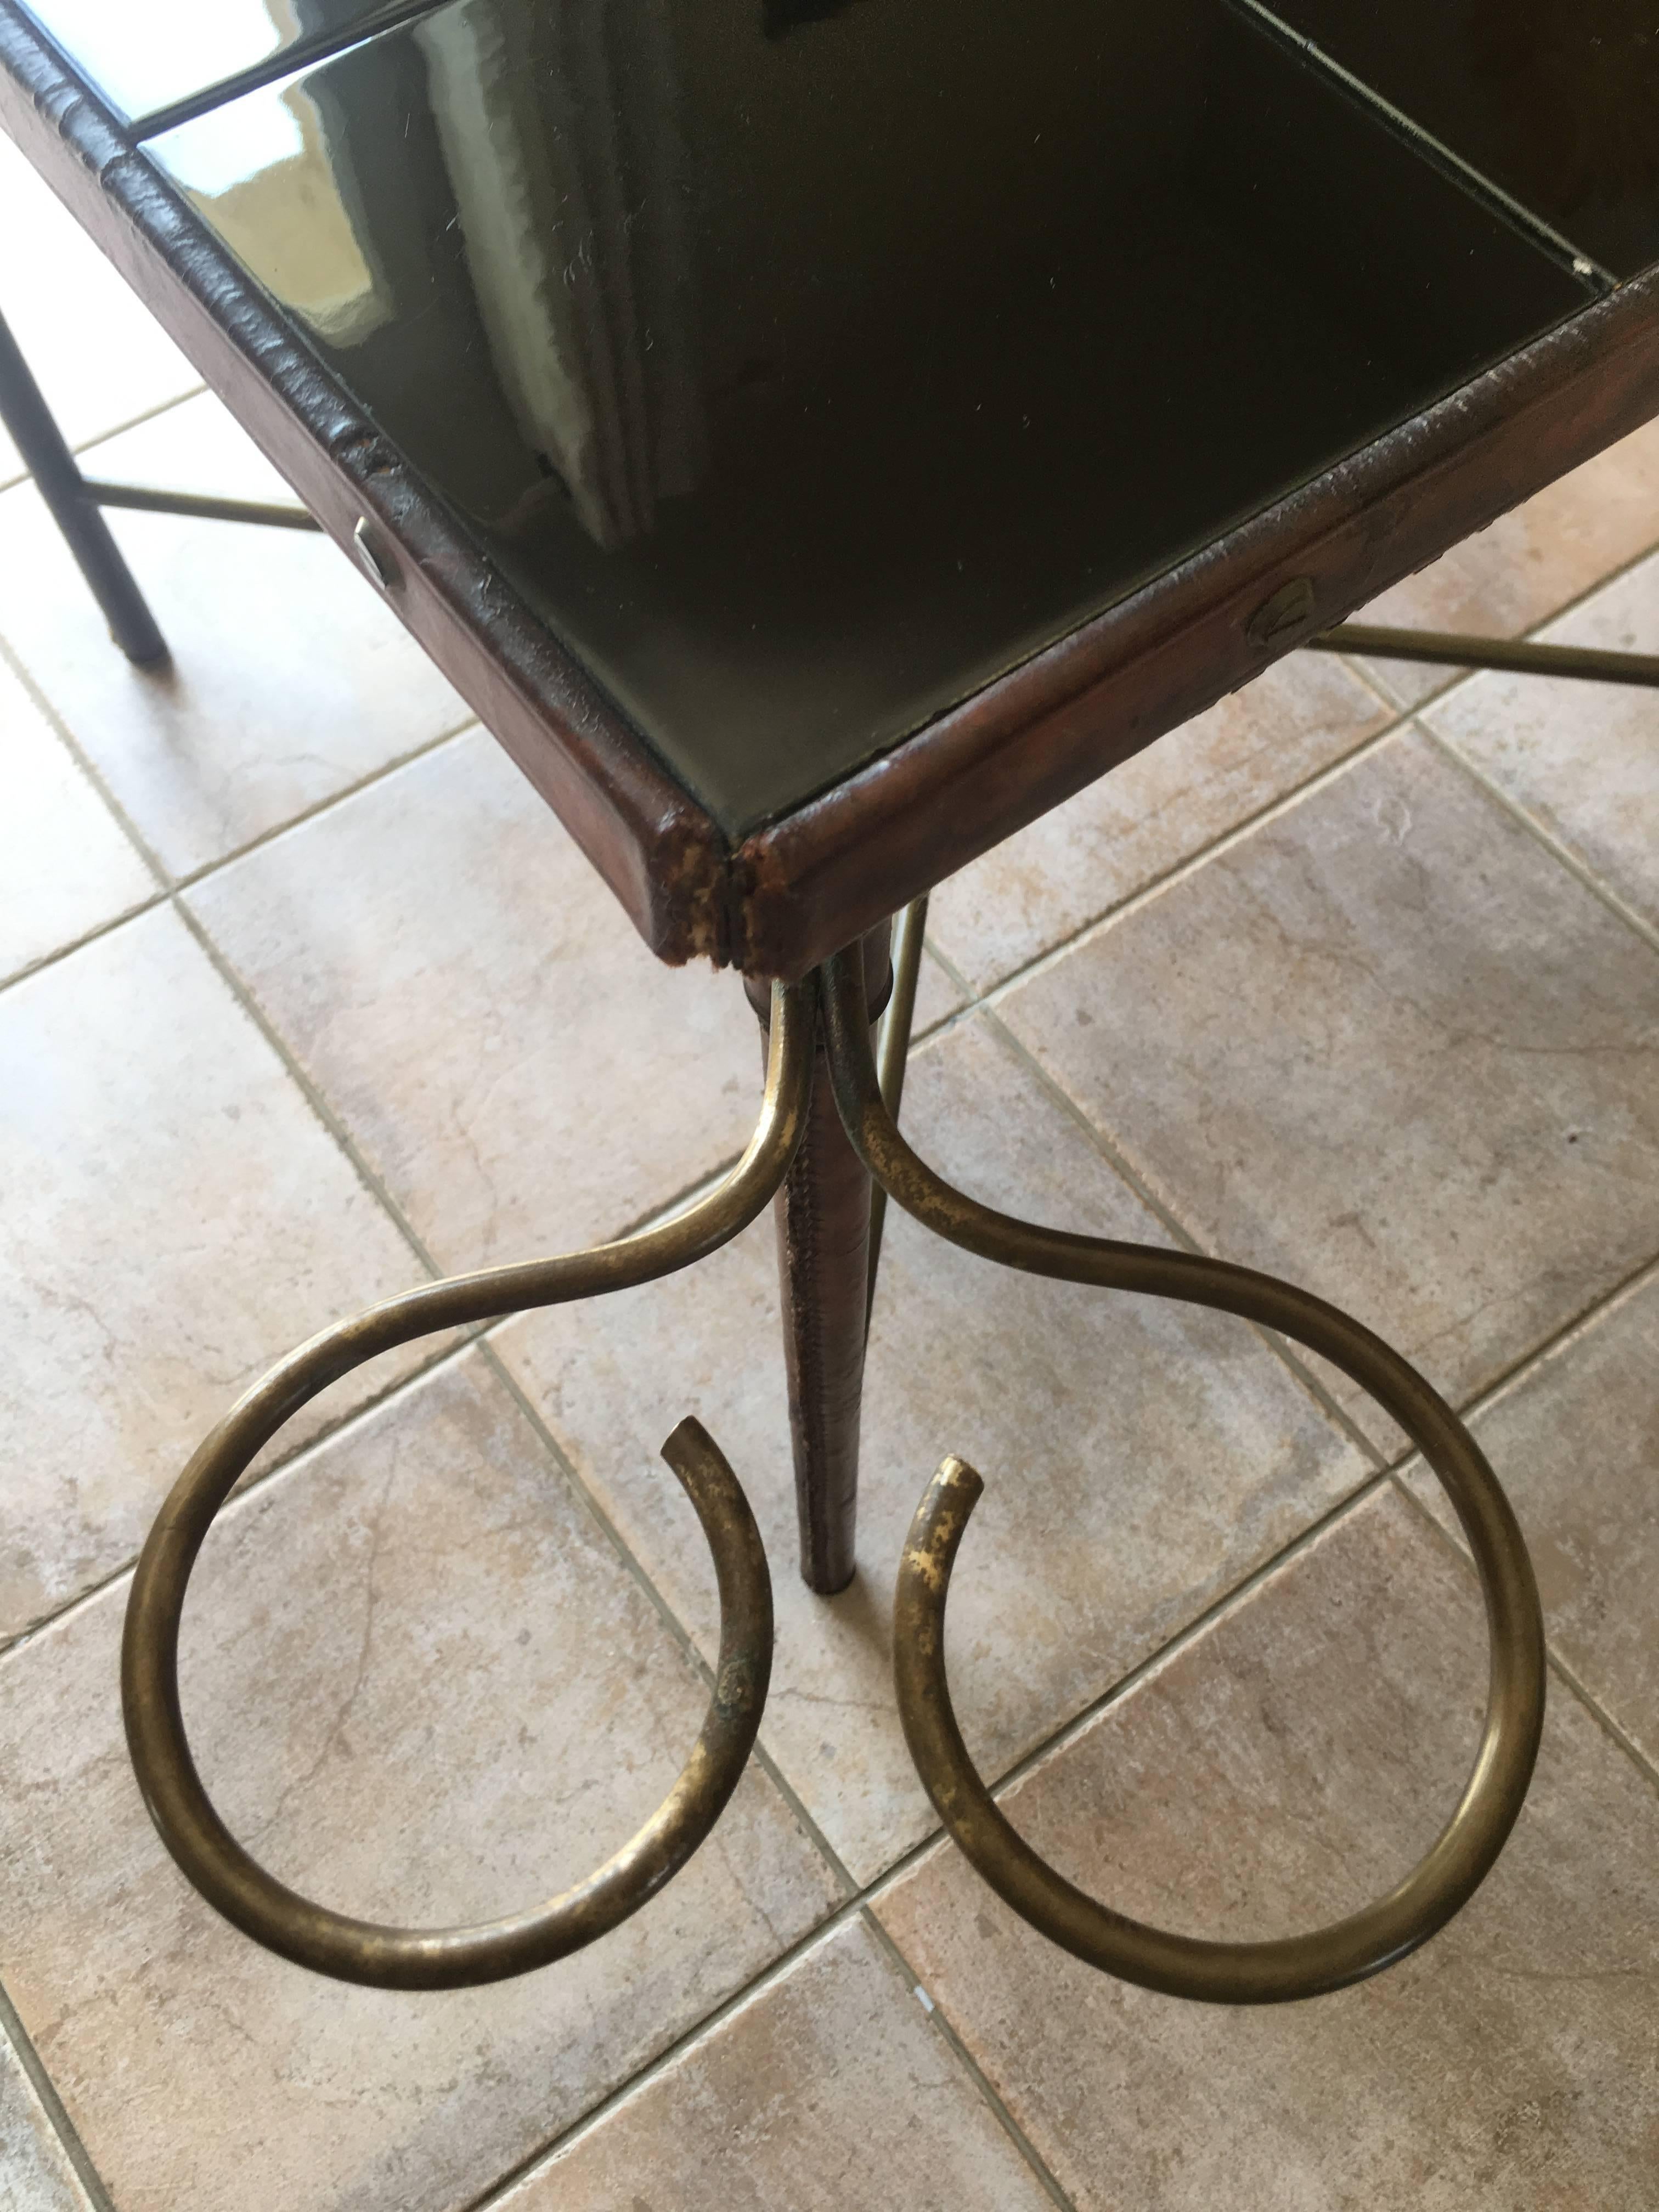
376 563
1292 608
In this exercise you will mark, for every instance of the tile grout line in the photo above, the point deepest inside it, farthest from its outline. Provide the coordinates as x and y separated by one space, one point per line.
1493 1395
709 2024
1560 1668
1467 1408
117 431
1110 1149
1155 886
679 1632
664 1209
195 876
1191 1634
1567 1674
1460 677
147 415
853 1911
1575 865
244 997
10 659
171 885
1152 886
13 2030
1402 717
1521 1368
866 1895
61 953
950 2036
330 1432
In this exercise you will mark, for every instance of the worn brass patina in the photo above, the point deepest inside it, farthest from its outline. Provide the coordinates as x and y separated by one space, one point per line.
410 1957
1520 656
893 1053
1183 1965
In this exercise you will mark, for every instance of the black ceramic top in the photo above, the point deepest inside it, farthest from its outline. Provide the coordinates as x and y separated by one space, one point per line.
807 363
1557 101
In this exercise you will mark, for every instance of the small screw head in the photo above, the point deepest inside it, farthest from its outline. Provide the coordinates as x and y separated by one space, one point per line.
373 556
1290 609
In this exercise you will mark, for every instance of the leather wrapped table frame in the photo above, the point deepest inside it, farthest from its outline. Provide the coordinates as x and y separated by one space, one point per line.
811 481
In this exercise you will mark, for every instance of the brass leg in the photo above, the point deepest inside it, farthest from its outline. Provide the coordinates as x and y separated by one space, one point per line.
369 1951
823 1215
1283 1967
893 1056
823 1081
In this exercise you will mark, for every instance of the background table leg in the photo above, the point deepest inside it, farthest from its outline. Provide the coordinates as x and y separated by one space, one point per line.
60 483
823 1215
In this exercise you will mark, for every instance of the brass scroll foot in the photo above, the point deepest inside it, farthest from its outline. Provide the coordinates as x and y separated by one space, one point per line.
1220 1972
403 1958
386 1957
1226 1973
1269 1972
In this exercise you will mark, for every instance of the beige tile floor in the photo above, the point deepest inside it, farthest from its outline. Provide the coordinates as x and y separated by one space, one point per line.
303 995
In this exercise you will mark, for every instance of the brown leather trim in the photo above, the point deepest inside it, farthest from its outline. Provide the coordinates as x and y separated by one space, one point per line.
660 851
818 878
833 868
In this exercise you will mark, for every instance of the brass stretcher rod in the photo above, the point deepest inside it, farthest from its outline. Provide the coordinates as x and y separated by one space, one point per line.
202 507
1448 648
1517 656
893 1055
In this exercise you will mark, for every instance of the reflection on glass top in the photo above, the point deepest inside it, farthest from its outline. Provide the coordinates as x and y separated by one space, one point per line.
807 363
1555 100
143 55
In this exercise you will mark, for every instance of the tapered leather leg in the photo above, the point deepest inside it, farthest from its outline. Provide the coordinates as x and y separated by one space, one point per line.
823 1216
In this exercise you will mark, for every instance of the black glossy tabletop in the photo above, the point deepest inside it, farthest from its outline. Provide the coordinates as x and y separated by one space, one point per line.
805 365
150 58
1557 104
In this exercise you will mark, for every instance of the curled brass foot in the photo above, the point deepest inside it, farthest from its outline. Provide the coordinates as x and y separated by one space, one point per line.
389 1958
1230 1973
400 1958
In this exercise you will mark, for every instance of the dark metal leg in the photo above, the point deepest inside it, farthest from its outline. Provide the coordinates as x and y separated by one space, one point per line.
823 1215
59 481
